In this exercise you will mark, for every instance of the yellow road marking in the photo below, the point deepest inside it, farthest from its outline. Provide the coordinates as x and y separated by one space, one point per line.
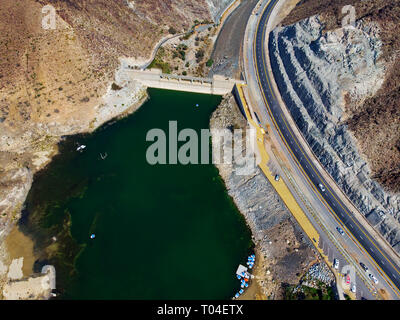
280 186
280 133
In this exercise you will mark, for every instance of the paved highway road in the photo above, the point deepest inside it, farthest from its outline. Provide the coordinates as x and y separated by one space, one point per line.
345 216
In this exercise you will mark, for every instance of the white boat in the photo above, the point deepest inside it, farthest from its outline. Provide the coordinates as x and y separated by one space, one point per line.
81 147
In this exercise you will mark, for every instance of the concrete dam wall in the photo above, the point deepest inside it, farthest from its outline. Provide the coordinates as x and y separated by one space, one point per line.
154 78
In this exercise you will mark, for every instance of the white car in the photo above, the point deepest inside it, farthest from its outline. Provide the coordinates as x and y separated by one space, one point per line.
340 230
353 288
321 186
372 277
336 263
277 177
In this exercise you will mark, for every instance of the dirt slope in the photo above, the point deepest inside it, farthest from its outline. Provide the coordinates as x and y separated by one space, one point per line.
52 81
376 122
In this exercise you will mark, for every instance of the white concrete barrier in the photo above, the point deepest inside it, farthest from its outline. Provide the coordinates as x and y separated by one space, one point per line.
154 78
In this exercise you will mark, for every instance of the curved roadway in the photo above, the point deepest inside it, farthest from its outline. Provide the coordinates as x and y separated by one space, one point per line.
346 217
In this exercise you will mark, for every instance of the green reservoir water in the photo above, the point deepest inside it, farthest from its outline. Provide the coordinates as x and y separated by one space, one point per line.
162 231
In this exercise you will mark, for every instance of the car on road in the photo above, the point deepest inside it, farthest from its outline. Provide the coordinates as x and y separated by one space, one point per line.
277 177
336 263
340 230
347 279
372 277
353 288
321 186
364 266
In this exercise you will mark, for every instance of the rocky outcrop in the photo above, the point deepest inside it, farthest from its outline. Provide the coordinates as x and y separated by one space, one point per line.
317 73
15 185
376 122
217 8
284 251
67 80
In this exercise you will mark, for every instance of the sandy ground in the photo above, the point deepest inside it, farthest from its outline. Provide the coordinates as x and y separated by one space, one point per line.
205 37
18 245
254 291
16 269
201 39
73 109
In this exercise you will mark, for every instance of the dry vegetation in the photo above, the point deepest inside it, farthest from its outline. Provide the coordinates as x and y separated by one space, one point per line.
375 123
50 75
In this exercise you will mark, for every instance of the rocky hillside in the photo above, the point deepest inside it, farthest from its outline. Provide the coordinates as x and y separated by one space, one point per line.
375 121
70 79
341 86
217 7
48 76
56 82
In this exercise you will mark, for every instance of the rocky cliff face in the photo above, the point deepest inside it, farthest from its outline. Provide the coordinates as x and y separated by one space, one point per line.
70 79
323 77
376 122
217 7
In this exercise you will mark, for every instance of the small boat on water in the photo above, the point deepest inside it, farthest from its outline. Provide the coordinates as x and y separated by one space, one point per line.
81 147
92 236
